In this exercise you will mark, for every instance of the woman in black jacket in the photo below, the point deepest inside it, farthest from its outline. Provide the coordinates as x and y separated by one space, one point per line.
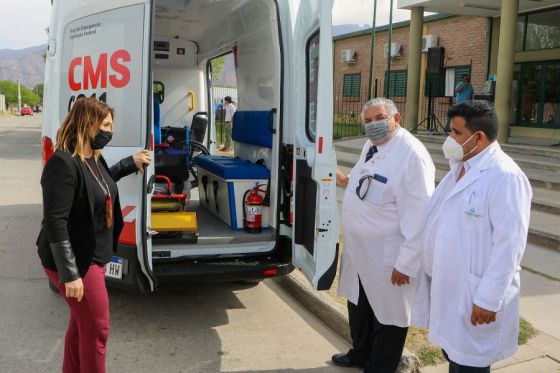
81 226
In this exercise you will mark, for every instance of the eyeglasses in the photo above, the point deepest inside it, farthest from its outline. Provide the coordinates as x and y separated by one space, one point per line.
363 180
366 179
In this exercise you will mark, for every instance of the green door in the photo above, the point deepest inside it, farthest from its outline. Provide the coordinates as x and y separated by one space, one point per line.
538 101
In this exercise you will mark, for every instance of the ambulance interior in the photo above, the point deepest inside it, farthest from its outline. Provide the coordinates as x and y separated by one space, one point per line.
200 201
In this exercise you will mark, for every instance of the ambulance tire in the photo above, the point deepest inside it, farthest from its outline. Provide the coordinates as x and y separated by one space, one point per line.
52 287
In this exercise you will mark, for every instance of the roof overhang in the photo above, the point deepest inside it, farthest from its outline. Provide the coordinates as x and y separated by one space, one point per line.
481 8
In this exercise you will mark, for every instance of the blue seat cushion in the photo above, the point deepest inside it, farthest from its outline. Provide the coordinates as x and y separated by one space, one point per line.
231 168
252 127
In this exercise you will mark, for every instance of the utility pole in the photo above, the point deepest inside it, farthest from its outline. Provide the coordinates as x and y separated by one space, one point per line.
388 82
19 95
372 52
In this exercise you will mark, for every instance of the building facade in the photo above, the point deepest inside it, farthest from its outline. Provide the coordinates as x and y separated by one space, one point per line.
470 44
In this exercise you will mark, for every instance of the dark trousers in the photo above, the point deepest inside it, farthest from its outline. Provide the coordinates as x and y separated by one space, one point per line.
378 347
458 368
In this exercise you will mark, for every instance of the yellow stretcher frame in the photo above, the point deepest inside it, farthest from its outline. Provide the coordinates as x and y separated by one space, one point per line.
181 221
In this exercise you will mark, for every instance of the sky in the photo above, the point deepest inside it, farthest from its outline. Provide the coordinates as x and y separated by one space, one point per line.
24 21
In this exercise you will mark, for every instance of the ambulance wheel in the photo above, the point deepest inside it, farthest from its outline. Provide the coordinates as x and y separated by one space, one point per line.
53 287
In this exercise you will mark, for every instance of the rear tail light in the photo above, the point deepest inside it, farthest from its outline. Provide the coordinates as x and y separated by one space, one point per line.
271 272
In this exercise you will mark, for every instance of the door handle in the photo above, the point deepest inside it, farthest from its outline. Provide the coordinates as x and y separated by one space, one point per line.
190 95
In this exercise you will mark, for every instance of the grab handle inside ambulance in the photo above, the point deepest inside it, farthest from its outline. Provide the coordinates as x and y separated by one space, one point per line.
190 94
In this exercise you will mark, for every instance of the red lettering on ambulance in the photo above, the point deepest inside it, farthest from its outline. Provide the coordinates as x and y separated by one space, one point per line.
119 68
93 76
75 86
96 76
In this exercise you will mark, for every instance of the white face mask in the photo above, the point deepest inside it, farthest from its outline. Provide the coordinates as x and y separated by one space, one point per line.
454 151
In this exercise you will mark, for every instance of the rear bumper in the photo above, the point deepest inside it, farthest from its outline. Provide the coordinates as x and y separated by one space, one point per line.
220 271
203 270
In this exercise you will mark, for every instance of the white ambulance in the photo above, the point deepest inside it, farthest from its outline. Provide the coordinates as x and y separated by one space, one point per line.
151 61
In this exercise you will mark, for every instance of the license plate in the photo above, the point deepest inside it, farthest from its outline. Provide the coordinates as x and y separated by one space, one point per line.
114 268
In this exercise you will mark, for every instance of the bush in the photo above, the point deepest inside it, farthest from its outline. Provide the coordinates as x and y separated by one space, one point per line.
10 90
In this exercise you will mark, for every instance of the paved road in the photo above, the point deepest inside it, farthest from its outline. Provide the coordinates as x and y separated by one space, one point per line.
203 328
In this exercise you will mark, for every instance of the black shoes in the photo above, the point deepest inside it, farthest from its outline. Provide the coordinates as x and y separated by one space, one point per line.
342 360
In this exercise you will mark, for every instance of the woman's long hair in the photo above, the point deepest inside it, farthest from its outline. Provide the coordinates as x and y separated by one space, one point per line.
80 126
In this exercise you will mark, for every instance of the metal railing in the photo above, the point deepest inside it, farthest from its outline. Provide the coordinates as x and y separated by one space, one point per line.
347 121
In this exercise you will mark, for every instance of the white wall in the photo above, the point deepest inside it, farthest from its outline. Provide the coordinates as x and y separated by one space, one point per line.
174 109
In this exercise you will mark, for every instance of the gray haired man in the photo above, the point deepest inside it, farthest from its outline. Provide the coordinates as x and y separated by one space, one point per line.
382 213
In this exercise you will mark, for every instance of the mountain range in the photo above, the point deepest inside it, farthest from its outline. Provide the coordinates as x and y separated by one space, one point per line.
338 30
26 65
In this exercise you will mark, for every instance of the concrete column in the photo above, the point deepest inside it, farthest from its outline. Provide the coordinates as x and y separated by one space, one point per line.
414 62
504 76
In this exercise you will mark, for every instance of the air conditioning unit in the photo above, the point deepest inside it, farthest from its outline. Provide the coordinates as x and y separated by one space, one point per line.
429 41
349 56
395 50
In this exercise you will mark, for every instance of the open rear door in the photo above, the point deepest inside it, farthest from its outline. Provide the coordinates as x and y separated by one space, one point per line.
315 223
106 54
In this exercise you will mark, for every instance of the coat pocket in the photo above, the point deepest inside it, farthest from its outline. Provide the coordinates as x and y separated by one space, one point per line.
483 337
476 214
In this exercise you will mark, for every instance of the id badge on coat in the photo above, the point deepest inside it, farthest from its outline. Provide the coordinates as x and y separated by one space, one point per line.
377 187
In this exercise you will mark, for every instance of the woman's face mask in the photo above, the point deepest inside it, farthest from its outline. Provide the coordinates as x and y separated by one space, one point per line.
377 130
101 139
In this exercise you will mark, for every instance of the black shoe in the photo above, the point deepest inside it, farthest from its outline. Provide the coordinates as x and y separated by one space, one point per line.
342 360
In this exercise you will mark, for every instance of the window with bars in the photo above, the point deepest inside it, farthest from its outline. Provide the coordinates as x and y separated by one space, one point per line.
459 72
351 85
395 84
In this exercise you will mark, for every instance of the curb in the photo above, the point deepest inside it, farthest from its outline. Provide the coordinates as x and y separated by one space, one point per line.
334 315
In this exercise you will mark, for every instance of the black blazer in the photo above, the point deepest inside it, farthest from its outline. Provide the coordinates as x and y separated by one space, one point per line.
68 208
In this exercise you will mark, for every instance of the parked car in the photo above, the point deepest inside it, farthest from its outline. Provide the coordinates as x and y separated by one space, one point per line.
26 111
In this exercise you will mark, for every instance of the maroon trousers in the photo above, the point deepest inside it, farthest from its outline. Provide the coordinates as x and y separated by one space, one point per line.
86 337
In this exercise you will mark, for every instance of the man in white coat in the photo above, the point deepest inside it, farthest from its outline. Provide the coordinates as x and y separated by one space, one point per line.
475 236
382 219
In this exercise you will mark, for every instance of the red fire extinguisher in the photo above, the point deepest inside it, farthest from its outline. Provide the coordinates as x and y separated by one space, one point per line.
253 209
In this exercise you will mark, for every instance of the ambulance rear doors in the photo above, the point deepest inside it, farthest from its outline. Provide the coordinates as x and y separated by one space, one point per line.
101 48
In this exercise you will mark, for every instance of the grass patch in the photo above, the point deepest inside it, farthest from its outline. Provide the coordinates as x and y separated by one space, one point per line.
526 331
417 343
347 129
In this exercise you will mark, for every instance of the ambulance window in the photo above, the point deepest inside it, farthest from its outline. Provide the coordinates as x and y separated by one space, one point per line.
159 91
312 62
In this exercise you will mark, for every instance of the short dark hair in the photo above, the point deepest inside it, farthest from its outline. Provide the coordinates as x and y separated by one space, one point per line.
478 115
462 76
228 99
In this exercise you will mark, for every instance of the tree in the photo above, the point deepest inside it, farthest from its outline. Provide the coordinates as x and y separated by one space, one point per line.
10 90
217 65
38 89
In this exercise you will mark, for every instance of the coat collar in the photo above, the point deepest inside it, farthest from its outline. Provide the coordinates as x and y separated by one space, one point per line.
476 166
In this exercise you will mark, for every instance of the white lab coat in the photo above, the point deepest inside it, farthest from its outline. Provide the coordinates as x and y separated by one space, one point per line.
384 230
476 231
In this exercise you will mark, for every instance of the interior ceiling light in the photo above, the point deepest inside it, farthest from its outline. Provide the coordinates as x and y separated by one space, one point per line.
479 6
